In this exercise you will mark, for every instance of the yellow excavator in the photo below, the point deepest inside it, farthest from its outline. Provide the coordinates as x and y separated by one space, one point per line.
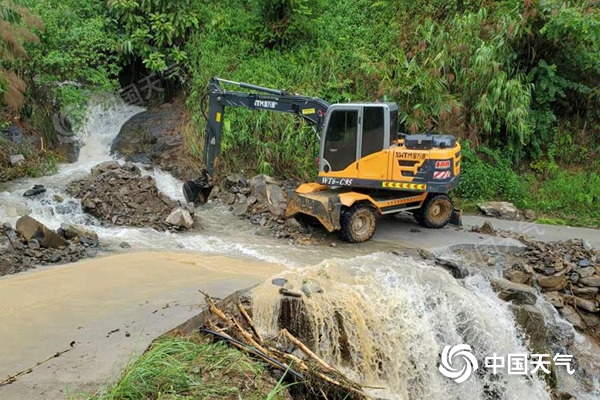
366 168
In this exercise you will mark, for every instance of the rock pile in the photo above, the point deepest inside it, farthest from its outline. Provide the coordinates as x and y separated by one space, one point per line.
118 194
263 200
31 243
568 274
505 210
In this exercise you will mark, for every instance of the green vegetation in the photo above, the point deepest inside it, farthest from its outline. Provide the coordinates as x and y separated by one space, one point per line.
517 81
193 368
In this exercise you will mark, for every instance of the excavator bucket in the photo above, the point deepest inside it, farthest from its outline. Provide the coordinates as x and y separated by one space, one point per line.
456 218
197 191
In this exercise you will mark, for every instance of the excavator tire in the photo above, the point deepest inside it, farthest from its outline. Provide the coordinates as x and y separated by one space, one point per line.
357 223
436 211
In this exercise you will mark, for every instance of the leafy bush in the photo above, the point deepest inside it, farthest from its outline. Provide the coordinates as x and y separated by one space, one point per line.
487 174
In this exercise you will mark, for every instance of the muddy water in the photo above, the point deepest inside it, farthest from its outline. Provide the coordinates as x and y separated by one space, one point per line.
140 294
385 320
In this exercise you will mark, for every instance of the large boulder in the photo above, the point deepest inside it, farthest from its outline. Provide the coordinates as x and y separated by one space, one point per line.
180 218
500 209
155 136
72 231
514 292
29 228
276 200
531 320
105 167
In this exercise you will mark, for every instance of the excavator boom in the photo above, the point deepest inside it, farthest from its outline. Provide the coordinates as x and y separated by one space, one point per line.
310 109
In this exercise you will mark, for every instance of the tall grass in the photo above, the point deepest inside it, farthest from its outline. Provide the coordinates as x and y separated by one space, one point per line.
186 368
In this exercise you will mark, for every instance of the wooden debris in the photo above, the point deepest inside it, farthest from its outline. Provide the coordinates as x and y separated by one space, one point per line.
12 378
319 377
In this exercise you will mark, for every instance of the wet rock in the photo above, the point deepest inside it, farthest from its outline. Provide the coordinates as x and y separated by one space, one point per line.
33 244
574 277
569 313
240 209
585 292
584 263
180 218
591 281
276 200
30 228
531 320
279 282
294 317
241 198
72 231
592 320
500 210
583 304
234 180
555 299
456 270
586 272
5 246
229 199
251 200
516 276
290 293
552 283
105 167
529 215
37 189
311 288
293 223
58 198
214 193
125 245
515 293
487 228
17 159
154 137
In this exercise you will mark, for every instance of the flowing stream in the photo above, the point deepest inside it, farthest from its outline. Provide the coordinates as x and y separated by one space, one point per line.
395 314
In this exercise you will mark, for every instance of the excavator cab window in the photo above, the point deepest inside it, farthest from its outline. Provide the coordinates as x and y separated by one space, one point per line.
373 131
341 139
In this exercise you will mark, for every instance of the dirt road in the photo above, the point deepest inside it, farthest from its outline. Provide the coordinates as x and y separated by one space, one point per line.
111 307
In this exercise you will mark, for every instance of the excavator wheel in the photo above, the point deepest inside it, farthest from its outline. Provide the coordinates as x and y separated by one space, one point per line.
436 211
357 223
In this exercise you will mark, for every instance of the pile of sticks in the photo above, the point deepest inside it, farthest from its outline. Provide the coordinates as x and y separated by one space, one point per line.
313 373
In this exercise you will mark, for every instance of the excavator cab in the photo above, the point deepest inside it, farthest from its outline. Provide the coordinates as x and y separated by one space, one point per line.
355 132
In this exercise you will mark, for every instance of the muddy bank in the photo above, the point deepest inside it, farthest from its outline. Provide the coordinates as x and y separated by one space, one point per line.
111 307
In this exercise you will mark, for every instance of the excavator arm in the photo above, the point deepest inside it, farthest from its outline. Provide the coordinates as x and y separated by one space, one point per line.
310 109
